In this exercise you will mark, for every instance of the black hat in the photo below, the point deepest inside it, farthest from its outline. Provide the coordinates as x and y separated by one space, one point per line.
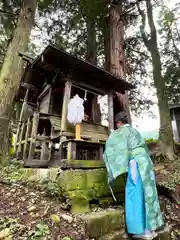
120 116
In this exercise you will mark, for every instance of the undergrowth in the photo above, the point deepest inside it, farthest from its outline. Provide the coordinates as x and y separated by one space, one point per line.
13 174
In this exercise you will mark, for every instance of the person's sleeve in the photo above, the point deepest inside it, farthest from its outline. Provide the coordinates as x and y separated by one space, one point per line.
109 171
116 155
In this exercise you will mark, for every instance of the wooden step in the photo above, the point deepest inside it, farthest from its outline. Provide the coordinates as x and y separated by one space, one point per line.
36 163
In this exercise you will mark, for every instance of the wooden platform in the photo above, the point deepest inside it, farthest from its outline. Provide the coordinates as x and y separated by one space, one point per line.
82 150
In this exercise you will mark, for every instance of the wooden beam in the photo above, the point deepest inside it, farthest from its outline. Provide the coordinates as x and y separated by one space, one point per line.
89 87
66 99
19 150
26 138
33 135
20 119
44 92
44 151
71 151
110 112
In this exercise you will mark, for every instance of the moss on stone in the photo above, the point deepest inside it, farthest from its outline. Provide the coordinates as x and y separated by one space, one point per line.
79 206
100 223
84 163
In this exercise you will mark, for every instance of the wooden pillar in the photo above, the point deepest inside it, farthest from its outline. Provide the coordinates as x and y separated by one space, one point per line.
96 112
33 135
20 118
44 151
19 150
71 151
26 139
110 112
66 98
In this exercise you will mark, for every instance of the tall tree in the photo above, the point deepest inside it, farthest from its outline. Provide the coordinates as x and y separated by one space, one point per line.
114 49
12 68
150 41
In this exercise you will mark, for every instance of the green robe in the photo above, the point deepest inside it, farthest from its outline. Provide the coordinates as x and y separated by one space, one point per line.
126 144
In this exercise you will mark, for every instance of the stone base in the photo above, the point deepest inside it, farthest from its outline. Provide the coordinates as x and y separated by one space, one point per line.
80 186
104 222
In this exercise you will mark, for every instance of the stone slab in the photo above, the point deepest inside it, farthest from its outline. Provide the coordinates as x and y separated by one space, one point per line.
103 222
116 235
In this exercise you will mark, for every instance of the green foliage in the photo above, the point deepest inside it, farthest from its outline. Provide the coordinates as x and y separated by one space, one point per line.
67 238
41 232
13 228
13 173
151 140
170 35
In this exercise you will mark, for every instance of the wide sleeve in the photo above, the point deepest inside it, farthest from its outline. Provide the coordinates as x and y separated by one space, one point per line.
116 155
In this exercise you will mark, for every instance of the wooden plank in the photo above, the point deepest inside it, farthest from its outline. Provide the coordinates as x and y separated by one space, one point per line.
66 99
33 135
19 150
45 103
25 151
110 112
20 119
44 151
71 150
96 113
45 91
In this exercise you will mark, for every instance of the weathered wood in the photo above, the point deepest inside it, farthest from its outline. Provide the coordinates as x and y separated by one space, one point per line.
33 134
19 150
44 151
101 152
110 112
29 86
51 102
20 119
88 130
96 113
71 151
66 98
89 87
25 150
36 163
44 91
45 103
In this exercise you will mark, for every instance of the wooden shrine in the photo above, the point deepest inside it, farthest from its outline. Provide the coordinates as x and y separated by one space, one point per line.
44 136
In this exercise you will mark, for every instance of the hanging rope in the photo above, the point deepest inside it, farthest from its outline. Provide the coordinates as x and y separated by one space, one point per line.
75 110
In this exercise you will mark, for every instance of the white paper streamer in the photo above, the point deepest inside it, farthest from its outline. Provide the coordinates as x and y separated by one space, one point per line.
75 110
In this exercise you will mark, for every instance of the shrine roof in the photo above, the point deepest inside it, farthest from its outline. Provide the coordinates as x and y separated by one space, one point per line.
84 73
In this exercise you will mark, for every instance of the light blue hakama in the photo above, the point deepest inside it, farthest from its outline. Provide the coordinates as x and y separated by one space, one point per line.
135 203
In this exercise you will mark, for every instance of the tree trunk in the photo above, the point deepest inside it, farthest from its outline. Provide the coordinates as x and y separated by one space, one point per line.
91 42
92 58
166 136
114 48
10 75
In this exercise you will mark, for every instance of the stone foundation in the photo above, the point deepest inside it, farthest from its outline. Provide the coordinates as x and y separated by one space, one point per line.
80 186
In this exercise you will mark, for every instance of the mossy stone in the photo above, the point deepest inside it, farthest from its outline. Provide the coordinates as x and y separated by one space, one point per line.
79 206
101 223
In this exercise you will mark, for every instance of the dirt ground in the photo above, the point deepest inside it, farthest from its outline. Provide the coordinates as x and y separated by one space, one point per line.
27 214
30 215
